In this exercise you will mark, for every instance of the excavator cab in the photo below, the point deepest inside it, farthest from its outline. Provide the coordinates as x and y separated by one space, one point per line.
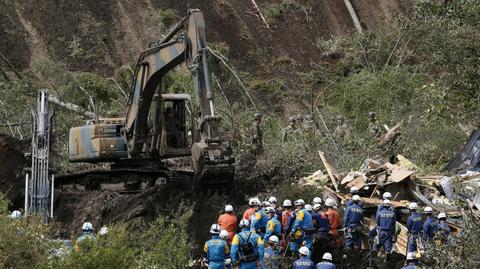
176 138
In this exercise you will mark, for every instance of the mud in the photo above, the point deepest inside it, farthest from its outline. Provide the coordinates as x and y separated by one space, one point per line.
12 161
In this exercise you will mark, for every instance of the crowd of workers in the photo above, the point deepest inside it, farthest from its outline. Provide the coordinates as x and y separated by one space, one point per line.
269 231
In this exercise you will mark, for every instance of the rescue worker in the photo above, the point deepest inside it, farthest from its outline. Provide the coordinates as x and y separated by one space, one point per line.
278 210
309 208
321 242
247 248
16 214
385 196
287 216
374 127
274 227
266 204
414 226
317 200
87 235
253 204
302 230
260 220
385 228
271 258
303 262
442 230
228 222
334 218
429 225
410 261
257 134
224 235
326 262
216 250
341 132
353 192
353 223
290 131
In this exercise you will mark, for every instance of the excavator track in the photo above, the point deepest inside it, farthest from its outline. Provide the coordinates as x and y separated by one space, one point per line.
121 180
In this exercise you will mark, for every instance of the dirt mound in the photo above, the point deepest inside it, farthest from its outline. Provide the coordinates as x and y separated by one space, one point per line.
12 161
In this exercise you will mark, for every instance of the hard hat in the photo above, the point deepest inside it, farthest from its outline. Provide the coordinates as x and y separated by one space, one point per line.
371 114
270 210
410 256
356 198
428 210
16 214
387 195
215 229
353 190
291 119
254 201
223 234
287 203
258 115
329 202
272 200
317 207
308 207
266 204
87 226
304 251
103 231
244 223
228 208
387 202
339 117
442 216
273 239
327 256
413 206
299 202
317 200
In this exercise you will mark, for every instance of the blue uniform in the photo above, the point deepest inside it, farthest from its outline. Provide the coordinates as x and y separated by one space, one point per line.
429 228
216 251
271 258
326 265
410 266
278 214
321 222
260 222
303 263
354 221
257 244
386 227
414 226
443 230
273 228
302 230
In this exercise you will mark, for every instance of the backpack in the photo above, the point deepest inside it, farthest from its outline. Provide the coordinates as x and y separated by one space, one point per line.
246 251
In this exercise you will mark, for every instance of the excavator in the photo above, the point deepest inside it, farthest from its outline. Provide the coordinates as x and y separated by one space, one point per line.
158 126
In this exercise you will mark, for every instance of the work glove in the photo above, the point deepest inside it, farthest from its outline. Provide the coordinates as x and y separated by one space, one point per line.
228 261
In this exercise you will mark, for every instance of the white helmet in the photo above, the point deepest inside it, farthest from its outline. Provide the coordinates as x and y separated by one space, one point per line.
327 256
273 239
103 231
387 202
299 202
270 210
353 190
16 214
428 210
228 208
387 196
244 223
287 203
87 226
356 198
413 206
272 200
254 201
329 202
215 229
317 207
266 204
442 216
410 256
317 200
308 207
224 234
304 251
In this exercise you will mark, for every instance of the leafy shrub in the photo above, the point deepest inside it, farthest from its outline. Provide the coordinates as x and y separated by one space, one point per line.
277 11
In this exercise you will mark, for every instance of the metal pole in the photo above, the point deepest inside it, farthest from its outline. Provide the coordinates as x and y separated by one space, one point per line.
26 193
52 194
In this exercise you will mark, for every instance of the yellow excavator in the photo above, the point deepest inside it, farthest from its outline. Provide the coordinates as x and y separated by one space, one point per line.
158 126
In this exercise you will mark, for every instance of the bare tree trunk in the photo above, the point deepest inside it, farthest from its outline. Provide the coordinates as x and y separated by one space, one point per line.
260 13
72 107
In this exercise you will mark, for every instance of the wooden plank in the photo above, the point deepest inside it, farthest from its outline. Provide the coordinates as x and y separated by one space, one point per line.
329 170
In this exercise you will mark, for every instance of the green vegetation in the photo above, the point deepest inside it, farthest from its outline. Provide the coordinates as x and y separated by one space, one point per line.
164 18
278 11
